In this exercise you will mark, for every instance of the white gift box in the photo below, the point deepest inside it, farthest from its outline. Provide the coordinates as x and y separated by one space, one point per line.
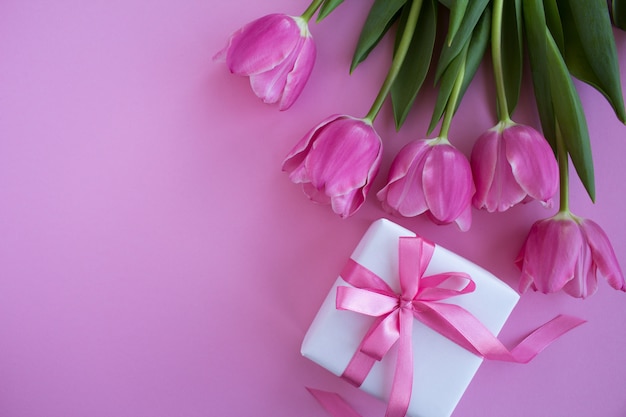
442 369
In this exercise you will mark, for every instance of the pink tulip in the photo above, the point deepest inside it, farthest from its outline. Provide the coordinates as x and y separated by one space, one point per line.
431 176
512 163
277 52
569 253
336 162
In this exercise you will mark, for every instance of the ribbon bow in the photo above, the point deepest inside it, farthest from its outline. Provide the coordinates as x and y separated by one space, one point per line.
419 299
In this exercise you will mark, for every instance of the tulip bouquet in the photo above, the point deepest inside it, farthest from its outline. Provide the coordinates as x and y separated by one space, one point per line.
337 161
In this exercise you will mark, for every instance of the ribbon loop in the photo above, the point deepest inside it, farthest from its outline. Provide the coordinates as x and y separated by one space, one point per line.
383 337
365 302
442 286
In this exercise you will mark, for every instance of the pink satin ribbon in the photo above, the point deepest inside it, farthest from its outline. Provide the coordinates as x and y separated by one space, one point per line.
419 299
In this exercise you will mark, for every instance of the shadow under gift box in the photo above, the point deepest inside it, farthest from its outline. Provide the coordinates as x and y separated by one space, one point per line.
442 369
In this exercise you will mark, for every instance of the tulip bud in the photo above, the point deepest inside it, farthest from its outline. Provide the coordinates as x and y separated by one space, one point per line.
277 52
569 253
336 162
430 176
512 163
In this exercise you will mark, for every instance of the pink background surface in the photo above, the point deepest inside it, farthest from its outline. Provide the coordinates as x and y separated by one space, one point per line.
155 261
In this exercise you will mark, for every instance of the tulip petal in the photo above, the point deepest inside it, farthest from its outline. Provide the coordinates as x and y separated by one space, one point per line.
269 85
483 161
262 44
408 155
525 279
603 255
464 221
496 186
347 204
584 282
550 254
403 194
532 161
296 156
300 72
318 196
447 182
505 192
221 55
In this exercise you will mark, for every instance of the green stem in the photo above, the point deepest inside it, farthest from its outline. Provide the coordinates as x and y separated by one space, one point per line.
496 54
561 154
398 59
452 101
310 11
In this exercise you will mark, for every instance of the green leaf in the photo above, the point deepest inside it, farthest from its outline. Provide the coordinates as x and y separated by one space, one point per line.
380 18
512 61
535 25
327 7
476 51
415 66
457 11
590 51
469 60
570 117
473 12
446 84
618 13
447 3
553 20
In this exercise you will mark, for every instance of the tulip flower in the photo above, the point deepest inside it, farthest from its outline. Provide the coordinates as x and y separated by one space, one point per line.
569 253
277 52
430 176
512 163
336 162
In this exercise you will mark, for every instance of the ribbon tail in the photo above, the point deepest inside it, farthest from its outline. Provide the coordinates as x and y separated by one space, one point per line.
333 403
402 386
361 363
538 340
359 367
460 326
